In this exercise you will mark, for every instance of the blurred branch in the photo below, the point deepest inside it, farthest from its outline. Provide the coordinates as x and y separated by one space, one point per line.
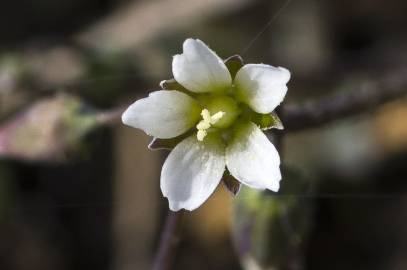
111 116
169 241
341 104
360 98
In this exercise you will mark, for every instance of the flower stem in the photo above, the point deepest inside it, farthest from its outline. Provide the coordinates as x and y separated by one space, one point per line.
169 241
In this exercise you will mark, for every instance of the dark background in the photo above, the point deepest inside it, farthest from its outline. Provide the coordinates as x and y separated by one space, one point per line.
92 201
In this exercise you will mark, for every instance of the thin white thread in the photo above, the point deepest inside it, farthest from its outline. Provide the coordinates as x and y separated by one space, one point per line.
266 27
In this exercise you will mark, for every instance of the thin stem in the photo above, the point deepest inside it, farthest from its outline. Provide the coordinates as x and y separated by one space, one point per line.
111 116
169 241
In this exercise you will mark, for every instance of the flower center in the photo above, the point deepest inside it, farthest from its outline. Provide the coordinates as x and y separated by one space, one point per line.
223 104
207 121
220 112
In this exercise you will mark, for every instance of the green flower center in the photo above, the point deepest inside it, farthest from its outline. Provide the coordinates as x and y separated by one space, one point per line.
224 104
220 112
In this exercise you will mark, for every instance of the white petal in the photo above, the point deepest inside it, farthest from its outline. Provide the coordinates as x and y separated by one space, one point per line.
192 172
163 114
199 69
252 158
262 87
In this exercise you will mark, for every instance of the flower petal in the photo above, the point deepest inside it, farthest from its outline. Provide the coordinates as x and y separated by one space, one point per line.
252 158
163 114
262 87
199 69
192 171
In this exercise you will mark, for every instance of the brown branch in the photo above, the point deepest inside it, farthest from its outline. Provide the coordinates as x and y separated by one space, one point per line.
341 104
361 97
168 242
112 116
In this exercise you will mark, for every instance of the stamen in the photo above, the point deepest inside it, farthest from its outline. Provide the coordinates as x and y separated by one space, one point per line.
216 117
206 115
201 135
206 123
203 125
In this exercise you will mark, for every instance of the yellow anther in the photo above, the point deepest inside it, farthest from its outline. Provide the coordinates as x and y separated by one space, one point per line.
215 118
206 115
201 134
206 123
203 125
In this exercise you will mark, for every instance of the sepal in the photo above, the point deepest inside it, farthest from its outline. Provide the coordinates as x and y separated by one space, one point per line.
267 121
172 84
231 184
234 63
167 144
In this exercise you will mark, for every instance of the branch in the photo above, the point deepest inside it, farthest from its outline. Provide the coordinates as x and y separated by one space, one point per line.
314 113
169 241
111 116
341 104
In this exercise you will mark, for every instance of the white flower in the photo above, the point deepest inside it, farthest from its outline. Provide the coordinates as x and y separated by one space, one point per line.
223 114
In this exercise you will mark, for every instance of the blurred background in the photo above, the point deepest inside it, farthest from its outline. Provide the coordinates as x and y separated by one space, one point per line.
78 190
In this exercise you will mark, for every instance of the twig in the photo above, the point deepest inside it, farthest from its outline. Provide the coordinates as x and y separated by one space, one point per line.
296 117
359 99
168 242
111 116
